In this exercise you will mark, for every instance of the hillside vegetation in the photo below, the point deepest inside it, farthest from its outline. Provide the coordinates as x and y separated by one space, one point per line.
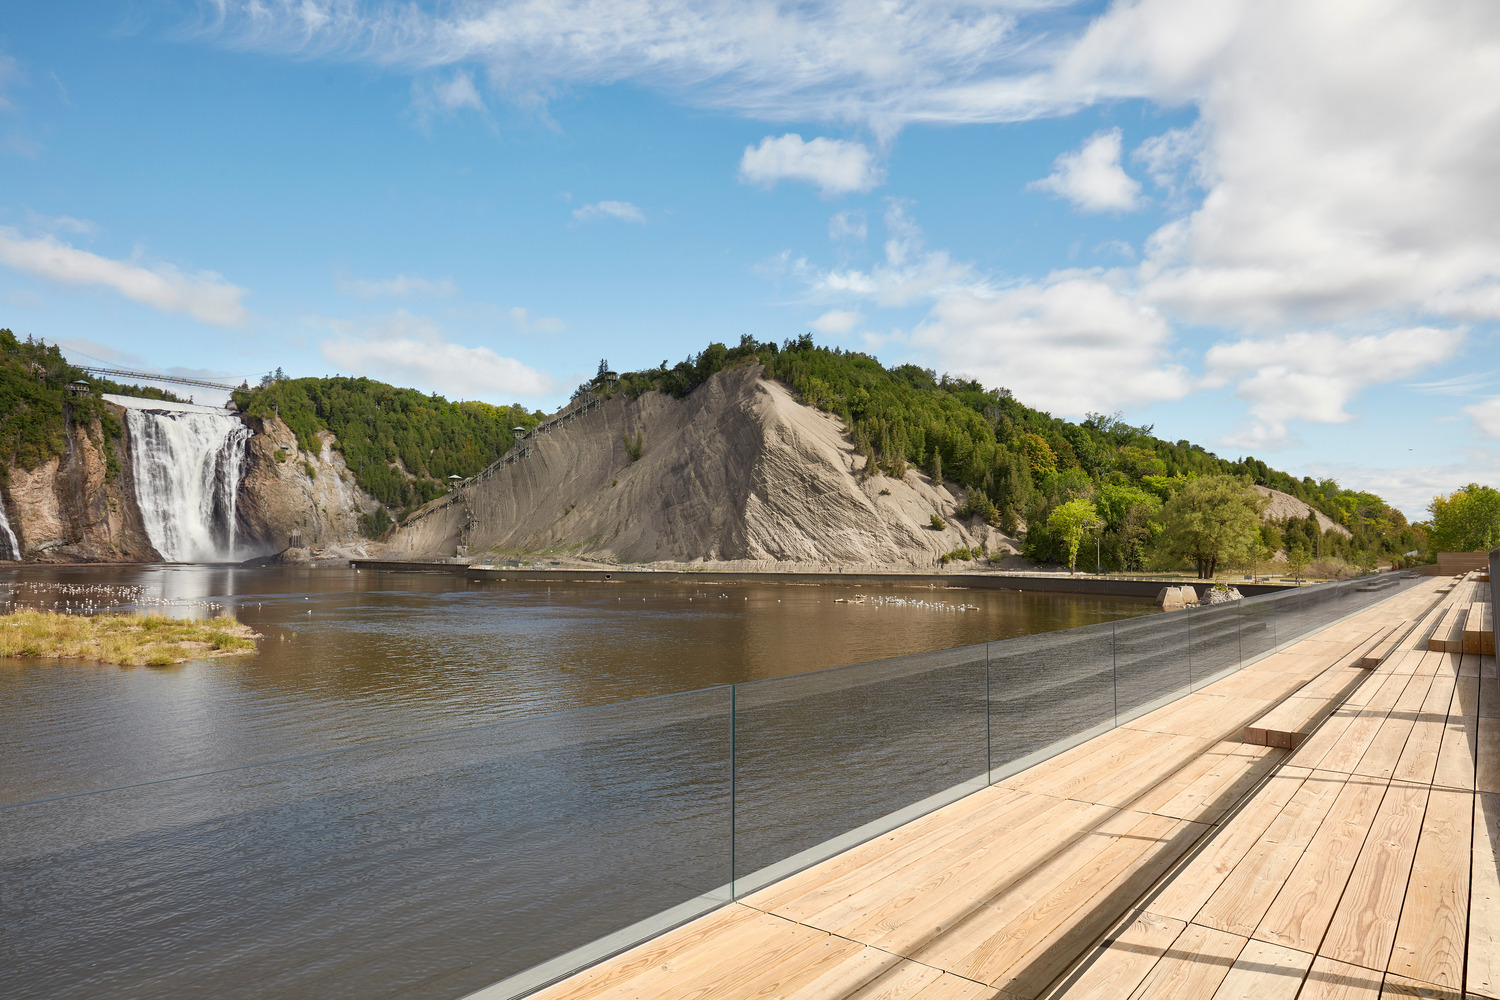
35 405
401 444
1019 465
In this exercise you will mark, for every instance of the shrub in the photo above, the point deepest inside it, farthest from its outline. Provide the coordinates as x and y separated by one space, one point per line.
938 524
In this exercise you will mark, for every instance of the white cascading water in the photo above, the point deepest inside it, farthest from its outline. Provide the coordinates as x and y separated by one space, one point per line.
10 548
187 464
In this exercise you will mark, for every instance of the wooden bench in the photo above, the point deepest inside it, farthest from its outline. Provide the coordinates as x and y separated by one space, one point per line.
1294 719
1393 636
1479 630
1448 635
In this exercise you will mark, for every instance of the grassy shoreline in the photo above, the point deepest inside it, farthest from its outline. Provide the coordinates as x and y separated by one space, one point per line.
128 640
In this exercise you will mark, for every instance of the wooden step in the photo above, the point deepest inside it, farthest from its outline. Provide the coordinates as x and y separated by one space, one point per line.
1293 720
1479 630
1448 636
1383 648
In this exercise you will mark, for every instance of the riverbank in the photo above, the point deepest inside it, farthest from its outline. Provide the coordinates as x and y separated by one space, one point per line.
127 640
1049 583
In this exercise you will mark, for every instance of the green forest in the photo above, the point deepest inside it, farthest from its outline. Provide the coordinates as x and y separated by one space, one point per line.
35 405
1019 465
401 444
1130 495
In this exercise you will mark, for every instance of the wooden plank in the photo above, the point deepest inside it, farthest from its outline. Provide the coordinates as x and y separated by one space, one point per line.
951 987
919 857
932 896
1363 927
950 934
1194 966
1429 943
1401 988
1383 648
1419 757
1329 979
806 967
1265 971
1487 775
1484 899
935 827
850 975
1437 639
900 983
1300 914
1040 966
1122 961
650 955
1473 637
1184 895
1216 791
1240 903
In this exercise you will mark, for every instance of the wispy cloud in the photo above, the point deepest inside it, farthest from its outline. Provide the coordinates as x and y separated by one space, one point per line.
624 211
445 96
834 166
205 295
413 350
527 323
837 321
1458 385
400 286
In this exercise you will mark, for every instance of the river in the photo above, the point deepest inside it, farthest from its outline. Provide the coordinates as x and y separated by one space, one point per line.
413 868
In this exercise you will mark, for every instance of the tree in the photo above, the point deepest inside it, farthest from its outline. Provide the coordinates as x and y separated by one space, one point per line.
1069 521
1212 520
1297 559
1467 520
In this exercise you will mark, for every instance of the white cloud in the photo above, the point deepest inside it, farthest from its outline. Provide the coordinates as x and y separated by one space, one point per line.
541 324
837 321
1068 345
835 166
1091 178
1486 417
848 226
62 224
910 271
399 286
205 295
445 96
622 210
1313 376
412 350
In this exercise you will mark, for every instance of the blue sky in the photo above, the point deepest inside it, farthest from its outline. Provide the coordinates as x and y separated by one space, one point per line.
1271 228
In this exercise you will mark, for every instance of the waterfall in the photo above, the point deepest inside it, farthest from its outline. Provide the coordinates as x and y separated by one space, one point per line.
187 462
10 548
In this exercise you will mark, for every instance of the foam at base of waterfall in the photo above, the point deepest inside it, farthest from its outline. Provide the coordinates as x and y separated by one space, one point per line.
187 466
10 546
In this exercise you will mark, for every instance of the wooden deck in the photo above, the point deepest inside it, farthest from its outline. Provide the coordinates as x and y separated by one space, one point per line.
1165 858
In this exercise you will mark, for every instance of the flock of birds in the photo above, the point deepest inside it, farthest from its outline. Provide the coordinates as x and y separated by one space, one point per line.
894 601
91 598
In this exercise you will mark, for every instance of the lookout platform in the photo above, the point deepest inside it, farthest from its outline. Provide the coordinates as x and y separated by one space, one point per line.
1168 857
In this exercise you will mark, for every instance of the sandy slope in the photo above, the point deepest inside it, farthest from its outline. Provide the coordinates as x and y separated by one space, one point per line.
1284 505
738 473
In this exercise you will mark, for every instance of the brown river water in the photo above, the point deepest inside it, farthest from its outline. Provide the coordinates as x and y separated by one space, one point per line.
421 786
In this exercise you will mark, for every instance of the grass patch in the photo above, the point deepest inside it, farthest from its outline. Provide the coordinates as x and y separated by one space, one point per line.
133 640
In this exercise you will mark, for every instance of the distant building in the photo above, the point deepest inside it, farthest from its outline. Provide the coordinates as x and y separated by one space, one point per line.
80 388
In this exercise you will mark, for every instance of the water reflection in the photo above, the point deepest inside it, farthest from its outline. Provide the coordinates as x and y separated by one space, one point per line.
352 657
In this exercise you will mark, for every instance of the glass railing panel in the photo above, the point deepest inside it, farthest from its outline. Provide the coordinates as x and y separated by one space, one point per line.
1047 688
1153 658
421 868
1213 642
820 754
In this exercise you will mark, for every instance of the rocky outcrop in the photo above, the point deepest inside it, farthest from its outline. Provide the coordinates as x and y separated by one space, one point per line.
739 473
290 495
77 508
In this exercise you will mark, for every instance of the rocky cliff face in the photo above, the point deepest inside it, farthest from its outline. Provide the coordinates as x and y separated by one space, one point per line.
739 473
84 508
73 509
287 494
